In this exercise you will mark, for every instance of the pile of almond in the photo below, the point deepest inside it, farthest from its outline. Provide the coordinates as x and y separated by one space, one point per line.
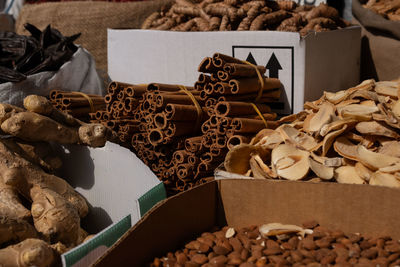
275 244
351 136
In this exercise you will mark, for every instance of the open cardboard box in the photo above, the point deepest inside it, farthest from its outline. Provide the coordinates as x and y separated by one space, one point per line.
306 66
366 209
119 189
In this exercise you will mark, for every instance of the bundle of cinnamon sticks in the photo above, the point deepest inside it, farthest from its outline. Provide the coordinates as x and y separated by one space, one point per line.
77 104
183 133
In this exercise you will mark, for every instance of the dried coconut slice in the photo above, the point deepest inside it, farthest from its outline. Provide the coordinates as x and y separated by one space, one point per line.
396 109
358 111
336 125
391 169
336 97
375 160
345 148
297 138
237 159
376 128
265 167
384 179
390 148
329 162
289 162
260 135
325 115
364 94
330 138
320 170
348 102
369 103
363 171
387 88
274 229
257 171
271 141
347 175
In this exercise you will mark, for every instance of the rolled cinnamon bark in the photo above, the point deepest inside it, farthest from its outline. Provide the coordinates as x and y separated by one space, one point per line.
237 140
222 88
130 104
81 101
184 171
178 112
232 108
160 120
209 88
163 100
242 70
193 160
223 75
83 111
182 128
155 136
193 144
267 96
114 86
252 85
180 156
219 60
207 66
204 78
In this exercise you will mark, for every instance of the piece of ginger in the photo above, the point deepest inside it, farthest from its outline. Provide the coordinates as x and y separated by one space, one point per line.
54 217
30 252
23 175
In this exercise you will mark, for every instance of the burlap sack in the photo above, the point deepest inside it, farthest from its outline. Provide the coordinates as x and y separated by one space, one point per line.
380 44
89 18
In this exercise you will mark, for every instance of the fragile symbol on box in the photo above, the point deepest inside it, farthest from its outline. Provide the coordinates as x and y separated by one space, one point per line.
279 62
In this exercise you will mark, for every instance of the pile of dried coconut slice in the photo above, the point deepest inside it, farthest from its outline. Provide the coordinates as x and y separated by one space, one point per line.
351 136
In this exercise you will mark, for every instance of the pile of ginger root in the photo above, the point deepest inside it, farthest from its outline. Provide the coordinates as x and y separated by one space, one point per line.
40 213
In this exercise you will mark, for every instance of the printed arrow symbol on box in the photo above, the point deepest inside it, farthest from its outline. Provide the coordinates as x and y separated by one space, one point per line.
273 66
251 59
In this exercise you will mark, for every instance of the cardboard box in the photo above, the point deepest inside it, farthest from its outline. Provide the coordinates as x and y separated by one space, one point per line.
352 208
119 188
306 66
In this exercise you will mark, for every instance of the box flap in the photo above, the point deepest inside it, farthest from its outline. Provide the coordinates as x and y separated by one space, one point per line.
88 252
152 197
162 229
352 208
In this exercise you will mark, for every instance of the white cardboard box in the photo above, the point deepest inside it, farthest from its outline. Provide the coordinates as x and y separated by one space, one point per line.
119 188
326 61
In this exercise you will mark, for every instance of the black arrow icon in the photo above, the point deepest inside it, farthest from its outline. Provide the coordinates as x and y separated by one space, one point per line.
273 66
251 59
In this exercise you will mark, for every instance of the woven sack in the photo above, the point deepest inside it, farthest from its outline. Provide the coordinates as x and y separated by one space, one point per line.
380 44
89 18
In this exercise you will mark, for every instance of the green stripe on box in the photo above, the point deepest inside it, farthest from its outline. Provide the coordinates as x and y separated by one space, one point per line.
107 238
152 197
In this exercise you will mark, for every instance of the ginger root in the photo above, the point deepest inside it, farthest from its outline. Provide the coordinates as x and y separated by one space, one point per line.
15 230
39 153
7 110
18 172
30 252
42 106
31 126
54 217
10 204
